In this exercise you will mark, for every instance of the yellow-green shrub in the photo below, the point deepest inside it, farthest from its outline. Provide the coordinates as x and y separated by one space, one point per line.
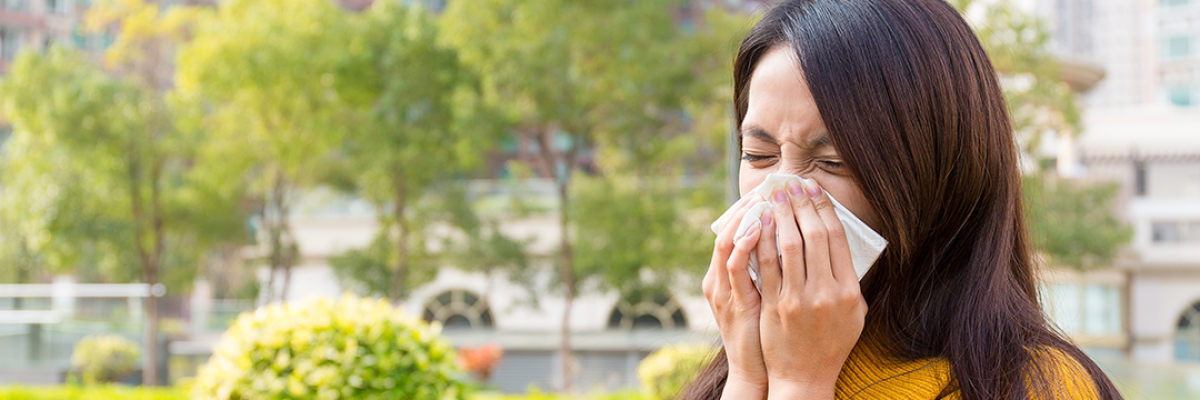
350 349
666 371
98 392
105 358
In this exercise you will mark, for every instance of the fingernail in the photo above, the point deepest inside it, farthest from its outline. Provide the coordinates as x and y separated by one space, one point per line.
795 188
780 196
814 190
765 219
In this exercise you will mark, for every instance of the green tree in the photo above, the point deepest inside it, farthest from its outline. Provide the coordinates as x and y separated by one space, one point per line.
274 80
98 174
419 126
1074 224
635 237
570 77
662 171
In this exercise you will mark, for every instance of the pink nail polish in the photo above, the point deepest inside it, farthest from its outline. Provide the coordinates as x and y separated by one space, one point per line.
794 188
814 190
780 196
765 219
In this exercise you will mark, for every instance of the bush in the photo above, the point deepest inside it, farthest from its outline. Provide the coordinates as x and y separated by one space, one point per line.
665 372
535 394
351 349
90 393
105 358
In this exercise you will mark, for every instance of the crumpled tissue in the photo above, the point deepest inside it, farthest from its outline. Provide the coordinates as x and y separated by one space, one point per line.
865 244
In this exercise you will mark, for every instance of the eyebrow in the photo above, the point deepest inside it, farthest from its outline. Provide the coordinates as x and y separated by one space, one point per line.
821 140
758 133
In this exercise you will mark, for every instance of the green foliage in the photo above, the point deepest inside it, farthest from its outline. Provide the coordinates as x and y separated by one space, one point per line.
1073 224
273 77
481 246
91 393
418 104
629 83
57 190
96 174
179 393
270 86
535 394
619 82
368 271
636 232
359 349
1018 45
666 371
105 358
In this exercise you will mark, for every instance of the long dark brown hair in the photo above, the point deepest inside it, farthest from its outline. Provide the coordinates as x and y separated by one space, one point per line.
915 110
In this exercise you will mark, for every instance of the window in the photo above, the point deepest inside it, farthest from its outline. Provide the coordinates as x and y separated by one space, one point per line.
1172 3
59 6
1092 309
647 311
1175 231
1165 232
459 309
1178 47
9 44
15 5
1183 96
1187 335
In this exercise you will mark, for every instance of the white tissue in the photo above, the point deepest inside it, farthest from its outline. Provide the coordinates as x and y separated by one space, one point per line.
865 244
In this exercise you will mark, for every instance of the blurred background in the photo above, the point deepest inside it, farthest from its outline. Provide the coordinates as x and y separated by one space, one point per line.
536 177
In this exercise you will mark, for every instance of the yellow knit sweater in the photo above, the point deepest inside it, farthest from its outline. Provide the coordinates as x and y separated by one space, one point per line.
870 374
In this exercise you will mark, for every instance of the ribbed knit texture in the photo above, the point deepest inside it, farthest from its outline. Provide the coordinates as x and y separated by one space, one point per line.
870 373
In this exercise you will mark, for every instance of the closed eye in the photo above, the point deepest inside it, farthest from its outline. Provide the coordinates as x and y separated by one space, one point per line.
831 166
755 158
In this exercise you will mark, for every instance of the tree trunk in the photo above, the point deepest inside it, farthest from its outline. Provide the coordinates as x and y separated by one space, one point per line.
150 339
568 285
272 223
150 372
149 257
290 250
550 160
396 286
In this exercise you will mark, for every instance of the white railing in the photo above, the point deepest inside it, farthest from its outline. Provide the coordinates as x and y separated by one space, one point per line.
63 294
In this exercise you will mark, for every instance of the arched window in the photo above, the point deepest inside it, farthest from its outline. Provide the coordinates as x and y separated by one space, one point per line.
459 309
653 310
1187 335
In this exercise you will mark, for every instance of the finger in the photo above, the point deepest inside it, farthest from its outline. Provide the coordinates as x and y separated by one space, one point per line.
769 275
812 230
791 245
724 247
739 264
841 262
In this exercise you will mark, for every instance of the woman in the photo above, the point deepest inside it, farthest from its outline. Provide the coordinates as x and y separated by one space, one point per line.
893 108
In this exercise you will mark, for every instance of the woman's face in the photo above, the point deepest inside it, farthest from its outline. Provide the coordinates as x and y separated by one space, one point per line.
783 134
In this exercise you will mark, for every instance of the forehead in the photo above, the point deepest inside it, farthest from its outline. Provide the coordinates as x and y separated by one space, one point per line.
779 101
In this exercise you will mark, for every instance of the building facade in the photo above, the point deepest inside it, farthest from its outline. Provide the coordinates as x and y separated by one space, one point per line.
1141 130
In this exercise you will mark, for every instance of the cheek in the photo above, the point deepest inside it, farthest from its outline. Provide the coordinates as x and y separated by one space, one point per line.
749 178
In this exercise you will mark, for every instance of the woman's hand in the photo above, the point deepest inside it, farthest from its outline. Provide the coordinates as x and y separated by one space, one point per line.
735 304
812 310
